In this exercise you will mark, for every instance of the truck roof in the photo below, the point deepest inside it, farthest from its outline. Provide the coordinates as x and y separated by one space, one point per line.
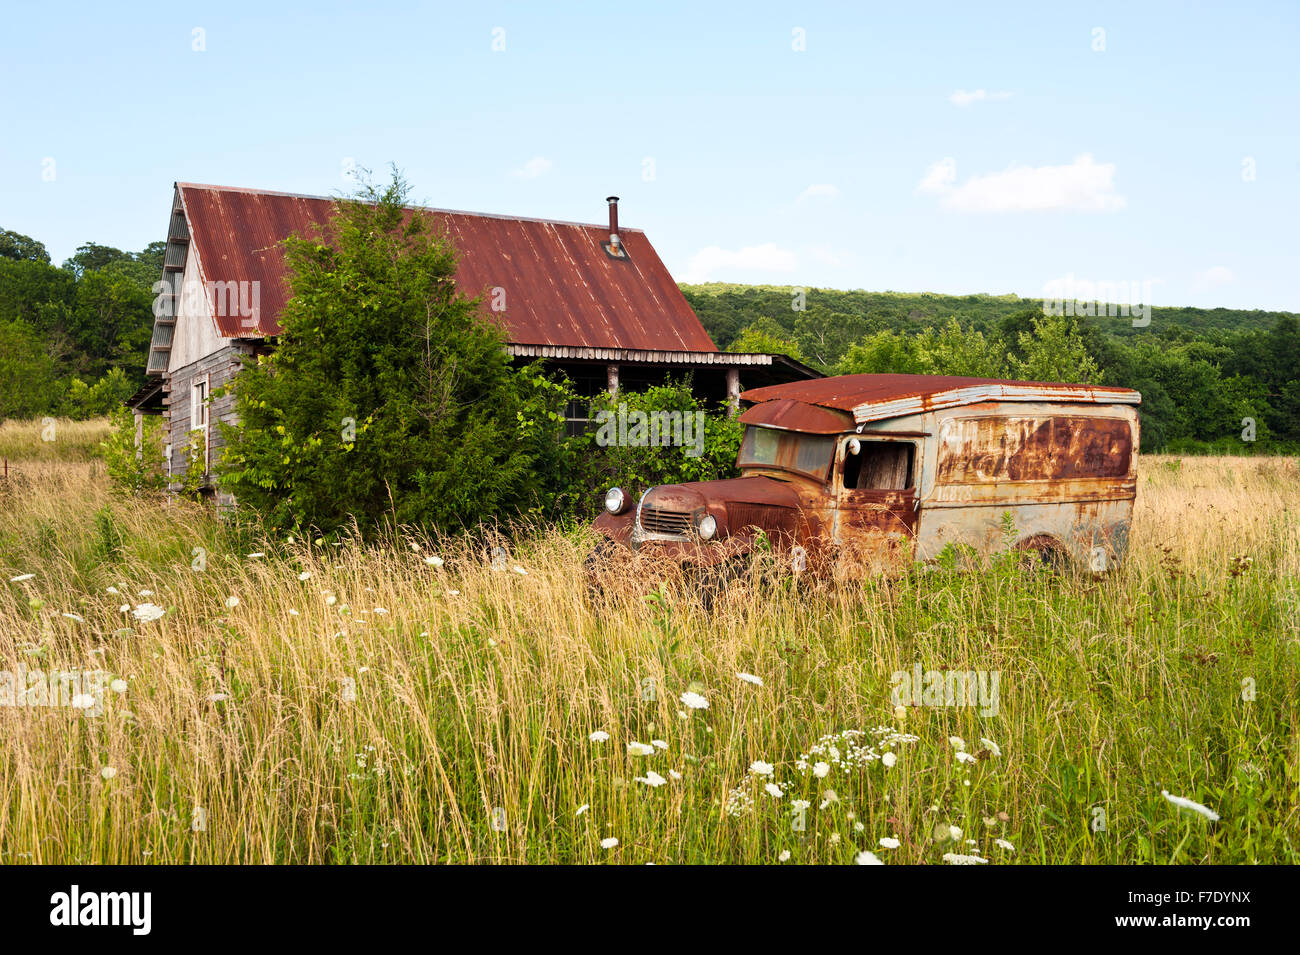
877 397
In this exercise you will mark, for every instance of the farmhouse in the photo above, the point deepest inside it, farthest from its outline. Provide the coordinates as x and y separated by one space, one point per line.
594 301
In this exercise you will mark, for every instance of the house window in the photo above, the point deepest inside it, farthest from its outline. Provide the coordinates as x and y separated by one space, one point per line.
199 405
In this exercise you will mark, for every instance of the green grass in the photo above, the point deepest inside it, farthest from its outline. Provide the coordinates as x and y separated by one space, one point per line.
477 692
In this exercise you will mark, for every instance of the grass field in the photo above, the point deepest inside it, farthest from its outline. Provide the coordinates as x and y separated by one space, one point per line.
403 701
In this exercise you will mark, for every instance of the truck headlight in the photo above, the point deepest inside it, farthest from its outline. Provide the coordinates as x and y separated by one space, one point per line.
707 527
615 500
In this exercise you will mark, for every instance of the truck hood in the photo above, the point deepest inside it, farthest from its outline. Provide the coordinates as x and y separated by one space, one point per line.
744 490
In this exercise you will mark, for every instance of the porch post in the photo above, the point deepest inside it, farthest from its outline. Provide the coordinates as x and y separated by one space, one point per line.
611 379
139 434
733 390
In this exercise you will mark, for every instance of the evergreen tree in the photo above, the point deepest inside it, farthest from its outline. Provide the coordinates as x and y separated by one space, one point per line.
388 395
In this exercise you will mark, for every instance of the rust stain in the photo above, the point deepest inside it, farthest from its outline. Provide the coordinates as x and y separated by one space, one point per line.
1014 448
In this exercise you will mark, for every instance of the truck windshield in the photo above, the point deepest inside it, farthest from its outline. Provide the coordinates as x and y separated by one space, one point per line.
808 454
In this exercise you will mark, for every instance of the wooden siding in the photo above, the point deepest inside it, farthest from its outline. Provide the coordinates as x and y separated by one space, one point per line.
218 368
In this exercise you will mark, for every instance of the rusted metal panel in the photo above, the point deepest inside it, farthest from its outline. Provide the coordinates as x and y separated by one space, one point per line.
560 287
1002 448
791 415
879 397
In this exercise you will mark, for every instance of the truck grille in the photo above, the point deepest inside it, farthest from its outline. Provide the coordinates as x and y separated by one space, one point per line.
769 519
658 520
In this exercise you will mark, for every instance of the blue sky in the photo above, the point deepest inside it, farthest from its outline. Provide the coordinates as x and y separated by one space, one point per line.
947 148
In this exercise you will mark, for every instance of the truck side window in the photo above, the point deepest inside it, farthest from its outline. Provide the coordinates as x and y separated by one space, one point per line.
880 466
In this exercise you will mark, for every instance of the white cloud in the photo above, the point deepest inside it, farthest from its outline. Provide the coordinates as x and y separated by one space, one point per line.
939 177
965 98
710 260
1084 185
1218 275
819 190
537 166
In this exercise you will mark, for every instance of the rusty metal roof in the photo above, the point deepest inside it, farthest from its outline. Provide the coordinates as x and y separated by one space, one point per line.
876 397
561 288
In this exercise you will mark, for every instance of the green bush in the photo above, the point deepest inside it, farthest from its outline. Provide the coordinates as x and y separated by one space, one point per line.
612 455
389 398
132 470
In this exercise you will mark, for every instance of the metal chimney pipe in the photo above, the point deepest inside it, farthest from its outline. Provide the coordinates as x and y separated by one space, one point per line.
613 222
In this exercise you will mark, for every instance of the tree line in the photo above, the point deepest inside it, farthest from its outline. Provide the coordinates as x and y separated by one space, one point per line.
74 338
1212 380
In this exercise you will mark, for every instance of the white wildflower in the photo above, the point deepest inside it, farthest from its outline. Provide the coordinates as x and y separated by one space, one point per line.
694 701
750 678
867 858
147 612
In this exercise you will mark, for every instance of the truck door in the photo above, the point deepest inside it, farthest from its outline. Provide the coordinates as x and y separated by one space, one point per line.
876 485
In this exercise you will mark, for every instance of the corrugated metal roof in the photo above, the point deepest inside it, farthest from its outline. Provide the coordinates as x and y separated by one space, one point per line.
561 288
876 397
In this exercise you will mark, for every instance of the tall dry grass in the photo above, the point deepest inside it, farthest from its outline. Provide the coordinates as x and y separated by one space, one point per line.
360 704
52 439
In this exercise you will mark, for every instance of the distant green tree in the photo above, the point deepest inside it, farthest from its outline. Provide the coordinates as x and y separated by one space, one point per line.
951 350
389 396
884 352
37 293
28 387
111 324
92 256
1054 351
15 245
757 338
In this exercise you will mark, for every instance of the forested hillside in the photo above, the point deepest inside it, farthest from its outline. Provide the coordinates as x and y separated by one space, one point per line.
1211 379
